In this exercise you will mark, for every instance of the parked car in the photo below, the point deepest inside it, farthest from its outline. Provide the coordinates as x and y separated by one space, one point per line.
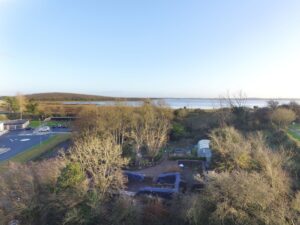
44 129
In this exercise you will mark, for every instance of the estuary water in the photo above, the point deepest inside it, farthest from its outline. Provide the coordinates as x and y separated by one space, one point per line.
192 103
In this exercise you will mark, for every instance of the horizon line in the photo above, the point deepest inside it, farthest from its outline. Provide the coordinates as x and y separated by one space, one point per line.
148 97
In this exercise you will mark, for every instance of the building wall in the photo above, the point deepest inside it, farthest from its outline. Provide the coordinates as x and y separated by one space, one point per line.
26 124
16 126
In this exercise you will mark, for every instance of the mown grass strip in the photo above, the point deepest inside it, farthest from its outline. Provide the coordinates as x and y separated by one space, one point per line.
38 150
294 136
37 123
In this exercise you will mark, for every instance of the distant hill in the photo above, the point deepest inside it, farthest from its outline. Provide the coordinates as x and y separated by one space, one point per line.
57 96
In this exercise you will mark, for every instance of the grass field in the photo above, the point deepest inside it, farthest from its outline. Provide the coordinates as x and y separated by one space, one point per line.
295 126
37 151
294 132
37 123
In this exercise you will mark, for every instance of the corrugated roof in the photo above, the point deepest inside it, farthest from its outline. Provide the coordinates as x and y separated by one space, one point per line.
203 143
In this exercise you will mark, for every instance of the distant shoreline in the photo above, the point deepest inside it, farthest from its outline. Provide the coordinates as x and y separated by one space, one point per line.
144 99
75 97
192 103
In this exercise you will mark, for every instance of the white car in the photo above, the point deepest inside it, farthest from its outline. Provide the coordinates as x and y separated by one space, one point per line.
44 129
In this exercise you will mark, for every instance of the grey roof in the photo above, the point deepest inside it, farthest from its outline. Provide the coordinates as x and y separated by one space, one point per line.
15 122
204 143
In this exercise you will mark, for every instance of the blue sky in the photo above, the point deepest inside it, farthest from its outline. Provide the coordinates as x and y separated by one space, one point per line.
157 48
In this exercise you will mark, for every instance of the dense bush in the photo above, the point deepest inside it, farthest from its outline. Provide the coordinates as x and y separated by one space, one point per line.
283 117
253 188
296 108
239 198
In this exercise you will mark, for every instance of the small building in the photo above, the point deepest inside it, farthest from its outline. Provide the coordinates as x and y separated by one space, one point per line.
203 150
15 124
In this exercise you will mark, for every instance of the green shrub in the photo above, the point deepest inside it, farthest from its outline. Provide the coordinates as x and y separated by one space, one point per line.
71 176
194 152
178 131
159 155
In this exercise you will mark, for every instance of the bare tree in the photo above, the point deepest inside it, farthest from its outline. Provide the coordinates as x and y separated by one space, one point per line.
87 121
116 120
101 158
26 186
156 128
223 112
137 133
273 104
22 101
150 128
229 104
238 99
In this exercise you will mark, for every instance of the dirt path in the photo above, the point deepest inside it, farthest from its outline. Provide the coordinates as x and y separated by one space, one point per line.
165 166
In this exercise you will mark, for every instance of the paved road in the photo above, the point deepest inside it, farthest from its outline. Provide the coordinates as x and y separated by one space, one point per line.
14 142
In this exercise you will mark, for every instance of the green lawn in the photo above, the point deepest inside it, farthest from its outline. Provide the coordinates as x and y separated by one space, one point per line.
37 123
294 132
295 126
38 150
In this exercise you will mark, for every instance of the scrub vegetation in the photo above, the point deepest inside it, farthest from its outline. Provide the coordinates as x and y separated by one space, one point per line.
253 179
